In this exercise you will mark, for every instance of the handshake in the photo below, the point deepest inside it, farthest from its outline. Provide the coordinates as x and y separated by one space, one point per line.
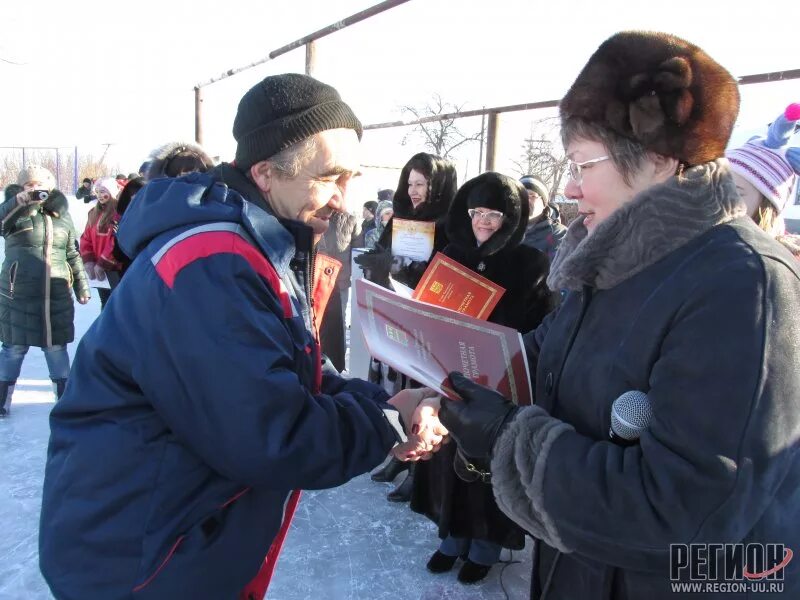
419 411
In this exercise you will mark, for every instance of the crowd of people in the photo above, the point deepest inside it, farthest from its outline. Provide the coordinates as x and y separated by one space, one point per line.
214 381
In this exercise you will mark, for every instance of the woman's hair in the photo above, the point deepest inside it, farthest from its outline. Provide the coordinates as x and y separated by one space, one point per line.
103 214
626 154
766 215
442 183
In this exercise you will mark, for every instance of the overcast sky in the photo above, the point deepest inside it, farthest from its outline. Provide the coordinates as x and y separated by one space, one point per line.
122 72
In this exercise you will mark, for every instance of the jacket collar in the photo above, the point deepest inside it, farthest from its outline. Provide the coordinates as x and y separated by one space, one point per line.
279 239
657 221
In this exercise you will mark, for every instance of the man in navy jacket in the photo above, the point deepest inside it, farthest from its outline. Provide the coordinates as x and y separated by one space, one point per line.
200 400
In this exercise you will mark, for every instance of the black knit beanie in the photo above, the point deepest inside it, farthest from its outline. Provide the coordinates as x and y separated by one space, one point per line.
285 109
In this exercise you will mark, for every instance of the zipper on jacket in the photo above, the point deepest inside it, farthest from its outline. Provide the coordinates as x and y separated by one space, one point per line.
47 250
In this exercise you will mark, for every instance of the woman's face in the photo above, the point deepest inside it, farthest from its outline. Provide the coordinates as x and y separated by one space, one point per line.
485 222
417 188
103 196
386 215
748 193
602 190
33 185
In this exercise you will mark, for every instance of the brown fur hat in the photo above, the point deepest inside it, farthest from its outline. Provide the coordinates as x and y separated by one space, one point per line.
659 90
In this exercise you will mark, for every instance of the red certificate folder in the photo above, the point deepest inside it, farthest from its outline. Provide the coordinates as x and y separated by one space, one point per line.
427 342
450 284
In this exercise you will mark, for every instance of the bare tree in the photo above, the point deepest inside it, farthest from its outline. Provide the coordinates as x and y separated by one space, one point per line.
542 157
441 137
61 165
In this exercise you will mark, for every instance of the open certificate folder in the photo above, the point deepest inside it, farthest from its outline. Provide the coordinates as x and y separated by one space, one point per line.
426 343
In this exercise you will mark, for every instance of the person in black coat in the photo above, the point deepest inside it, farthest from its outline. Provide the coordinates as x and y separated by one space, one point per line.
485 226
680 317
424 192
426 187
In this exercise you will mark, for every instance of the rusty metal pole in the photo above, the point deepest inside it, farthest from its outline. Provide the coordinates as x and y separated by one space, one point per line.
483 141
311 57
198 115
491 140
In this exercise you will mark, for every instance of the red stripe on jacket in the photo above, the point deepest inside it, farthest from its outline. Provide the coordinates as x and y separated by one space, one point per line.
209 243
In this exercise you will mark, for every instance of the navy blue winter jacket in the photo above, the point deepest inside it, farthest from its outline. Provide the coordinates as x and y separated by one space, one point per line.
196 404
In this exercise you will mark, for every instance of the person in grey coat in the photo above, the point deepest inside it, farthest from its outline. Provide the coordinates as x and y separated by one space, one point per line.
676 295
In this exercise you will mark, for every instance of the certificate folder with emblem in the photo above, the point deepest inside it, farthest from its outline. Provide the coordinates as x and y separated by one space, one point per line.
450 284
427 342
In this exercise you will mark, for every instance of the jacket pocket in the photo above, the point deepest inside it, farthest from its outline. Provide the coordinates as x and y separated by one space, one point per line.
12 278
194 541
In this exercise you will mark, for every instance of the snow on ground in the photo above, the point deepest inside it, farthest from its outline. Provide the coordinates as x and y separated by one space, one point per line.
347 543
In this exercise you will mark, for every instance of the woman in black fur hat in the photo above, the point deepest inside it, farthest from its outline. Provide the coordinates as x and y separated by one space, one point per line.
485 226
426 187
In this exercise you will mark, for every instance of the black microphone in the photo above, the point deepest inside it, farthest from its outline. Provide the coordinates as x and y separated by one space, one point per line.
630 416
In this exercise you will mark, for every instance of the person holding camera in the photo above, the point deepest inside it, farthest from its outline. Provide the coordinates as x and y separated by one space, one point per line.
41 265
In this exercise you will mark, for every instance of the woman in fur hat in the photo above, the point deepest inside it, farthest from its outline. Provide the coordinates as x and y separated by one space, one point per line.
175 159
683 309
425 189
40 268
97 240
485 225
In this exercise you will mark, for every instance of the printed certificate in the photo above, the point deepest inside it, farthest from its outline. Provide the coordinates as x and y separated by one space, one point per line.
413 239
427 342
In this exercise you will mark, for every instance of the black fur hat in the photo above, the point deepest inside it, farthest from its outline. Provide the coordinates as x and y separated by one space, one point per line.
659 90
497 192
442 184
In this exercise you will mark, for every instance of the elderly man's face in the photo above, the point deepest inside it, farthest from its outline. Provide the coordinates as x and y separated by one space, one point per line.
321 186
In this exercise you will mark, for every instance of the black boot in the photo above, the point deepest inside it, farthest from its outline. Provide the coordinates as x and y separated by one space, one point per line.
6 391
390 471
402 493
440 562
473 572
58 387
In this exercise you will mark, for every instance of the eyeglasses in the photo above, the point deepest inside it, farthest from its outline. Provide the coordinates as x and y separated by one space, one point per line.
493 216
576 168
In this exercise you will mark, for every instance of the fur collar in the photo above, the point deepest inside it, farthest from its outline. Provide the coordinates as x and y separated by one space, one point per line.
657 221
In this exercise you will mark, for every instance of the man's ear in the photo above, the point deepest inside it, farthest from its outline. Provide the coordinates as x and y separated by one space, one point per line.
262 175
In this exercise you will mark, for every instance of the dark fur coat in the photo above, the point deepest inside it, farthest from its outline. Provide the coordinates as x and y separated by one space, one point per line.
466 509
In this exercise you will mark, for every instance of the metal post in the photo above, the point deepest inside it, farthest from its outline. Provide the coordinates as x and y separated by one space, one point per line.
58 176
75 171
483 139
491 140
198 115
311 57
24 162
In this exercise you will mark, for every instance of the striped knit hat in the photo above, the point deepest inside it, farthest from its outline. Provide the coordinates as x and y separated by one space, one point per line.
768 163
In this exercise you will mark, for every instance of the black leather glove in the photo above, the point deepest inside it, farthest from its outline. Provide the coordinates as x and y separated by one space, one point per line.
376 265
478 420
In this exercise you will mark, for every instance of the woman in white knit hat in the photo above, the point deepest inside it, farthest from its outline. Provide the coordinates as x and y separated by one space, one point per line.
766 170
